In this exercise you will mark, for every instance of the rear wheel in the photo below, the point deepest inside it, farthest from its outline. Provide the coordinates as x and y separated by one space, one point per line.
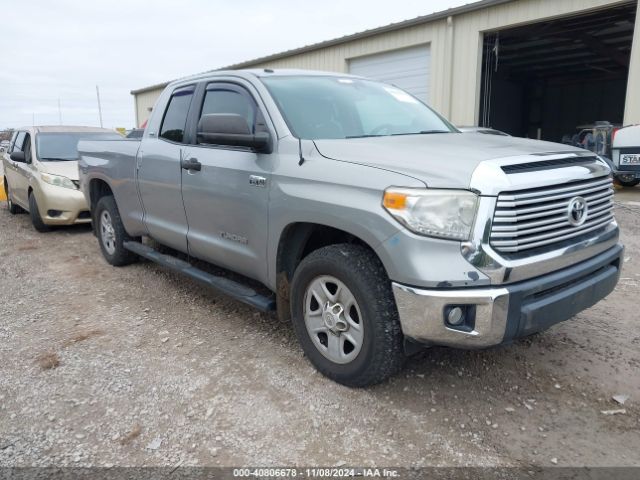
36 219
111 233
345 316
12 207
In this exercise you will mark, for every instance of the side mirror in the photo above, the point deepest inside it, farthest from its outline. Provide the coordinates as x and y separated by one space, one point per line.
232 130
18 157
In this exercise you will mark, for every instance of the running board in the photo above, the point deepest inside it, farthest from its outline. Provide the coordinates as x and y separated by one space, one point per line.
228 287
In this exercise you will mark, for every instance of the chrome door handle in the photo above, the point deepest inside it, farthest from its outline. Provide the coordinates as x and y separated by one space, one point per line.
191 164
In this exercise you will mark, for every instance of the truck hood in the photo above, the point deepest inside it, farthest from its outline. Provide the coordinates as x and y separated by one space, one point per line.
445 160
67 169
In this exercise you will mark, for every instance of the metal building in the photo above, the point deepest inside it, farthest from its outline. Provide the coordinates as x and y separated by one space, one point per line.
536 68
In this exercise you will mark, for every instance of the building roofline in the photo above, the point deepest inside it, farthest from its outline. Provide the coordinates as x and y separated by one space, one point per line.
469 7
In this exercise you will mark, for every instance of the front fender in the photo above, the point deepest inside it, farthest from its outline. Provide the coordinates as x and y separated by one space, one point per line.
341 195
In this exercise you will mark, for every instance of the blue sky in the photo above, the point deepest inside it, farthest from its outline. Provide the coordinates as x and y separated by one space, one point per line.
63 49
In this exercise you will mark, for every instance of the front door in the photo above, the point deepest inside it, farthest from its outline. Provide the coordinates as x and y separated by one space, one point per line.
15 173
159 174
25 172
226 200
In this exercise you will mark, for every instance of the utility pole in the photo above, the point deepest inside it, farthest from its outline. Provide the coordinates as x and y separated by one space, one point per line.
59 112
99 106
33 118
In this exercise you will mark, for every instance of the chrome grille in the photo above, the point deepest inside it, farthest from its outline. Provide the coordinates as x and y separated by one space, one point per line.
534 218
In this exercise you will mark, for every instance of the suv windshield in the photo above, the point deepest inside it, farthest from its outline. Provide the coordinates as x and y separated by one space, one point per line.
63 146
317 107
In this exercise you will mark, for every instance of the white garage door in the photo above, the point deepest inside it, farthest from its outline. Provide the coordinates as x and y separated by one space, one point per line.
408 69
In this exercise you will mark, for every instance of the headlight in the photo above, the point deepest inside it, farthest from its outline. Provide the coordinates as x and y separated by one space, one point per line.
58 181
436 213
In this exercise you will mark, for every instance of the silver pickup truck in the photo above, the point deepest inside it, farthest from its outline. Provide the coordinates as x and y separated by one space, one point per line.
371 221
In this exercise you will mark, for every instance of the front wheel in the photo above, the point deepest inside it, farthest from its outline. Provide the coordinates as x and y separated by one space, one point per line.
345 316
111 233
36 219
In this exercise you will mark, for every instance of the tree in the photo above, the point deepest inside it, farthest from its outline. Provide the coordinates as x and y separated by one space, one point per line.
6 134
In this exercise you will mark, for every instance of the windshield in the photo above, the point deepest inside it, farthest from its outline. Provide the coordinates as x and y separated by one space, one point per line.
63 146
317 107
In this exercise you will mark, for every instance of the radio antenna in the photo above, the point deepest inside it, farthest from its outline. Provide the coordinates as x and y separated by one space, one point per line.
301 161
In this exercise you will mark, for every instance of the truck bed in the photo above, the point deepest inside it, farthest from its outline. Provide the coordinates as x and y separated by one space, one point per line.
114 162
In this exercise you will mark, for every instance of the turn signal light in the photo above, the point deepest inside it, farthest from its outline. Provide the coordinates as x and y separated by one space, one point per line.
395 200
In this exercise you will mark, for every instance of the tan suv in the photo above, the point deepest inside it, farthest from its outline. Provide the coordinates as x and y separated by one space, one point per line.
41 174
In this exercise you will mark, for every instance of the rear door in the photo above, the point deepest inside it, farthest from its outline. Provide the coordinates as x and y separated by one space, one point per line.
159 173
227 199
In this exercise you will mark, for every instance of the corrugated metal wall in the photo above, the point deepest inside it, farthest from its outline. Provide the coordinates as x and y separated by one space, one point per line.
409 69
456 46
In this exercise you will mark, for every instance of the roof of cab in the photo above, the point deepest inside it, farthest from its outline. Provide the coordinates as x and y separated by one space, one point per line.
253 73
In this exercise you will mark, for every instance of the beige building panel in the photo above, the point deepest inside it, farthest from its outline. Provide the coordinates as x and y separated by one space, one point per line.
144 103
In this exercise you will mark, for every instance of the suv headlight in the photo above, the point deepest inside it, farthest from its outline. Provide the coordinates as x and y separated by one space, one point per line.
58 181
436 213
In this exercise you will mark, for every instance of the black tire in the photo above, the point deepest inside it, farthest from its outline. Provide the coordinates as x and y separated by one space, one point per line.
381 354
36 219
630 183
118 256
12 207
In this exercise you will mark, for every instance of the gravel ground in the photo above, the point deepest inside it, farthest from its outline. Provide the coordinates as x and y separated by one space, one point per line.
136 366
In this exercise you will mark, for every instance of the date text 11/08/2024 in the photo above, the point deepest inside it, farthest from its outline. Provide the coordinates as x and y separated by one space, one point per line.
327 472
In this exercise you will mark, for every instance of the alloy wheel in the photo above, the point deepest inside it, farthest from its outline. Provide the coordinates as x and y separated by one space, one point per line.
333 319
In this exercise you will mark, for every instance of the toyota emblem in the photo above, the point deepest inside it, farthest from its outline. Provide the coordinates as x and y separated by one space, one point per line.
577 211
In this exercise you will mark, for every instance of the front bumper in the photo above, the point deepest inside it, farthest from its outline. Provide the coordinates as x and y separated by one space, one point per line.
627 175
503 313
61 206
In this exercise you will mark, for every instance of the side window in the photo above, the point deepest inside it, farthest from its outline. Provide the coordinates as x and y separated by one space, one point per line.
175 117
221 100
26 148
19 142
12 141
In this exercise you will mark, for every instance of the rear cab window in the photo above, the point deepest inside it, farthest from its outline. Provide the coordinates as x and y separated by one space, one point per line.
175 117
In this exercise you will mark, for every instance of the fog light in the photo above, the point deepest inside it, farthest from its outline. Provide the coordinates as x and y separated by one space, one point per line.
455 316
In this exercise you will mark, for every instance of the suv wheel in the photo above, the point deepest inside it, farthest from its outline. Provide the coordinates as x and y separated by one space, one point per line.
36 219
345 316
12 207
627 183
111 233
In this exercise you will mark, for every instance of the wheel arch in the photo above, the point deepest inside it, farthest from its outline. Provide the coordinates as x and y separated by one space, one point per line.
298 240
98 188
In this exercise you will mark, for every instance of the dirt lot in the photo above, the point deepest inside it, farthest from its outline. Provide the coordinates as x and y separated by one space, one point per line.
136 366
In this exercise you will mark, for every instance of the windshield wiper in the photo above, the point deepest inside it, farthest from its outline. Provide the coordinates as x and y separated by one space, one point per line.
422 132
56 159
364 136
